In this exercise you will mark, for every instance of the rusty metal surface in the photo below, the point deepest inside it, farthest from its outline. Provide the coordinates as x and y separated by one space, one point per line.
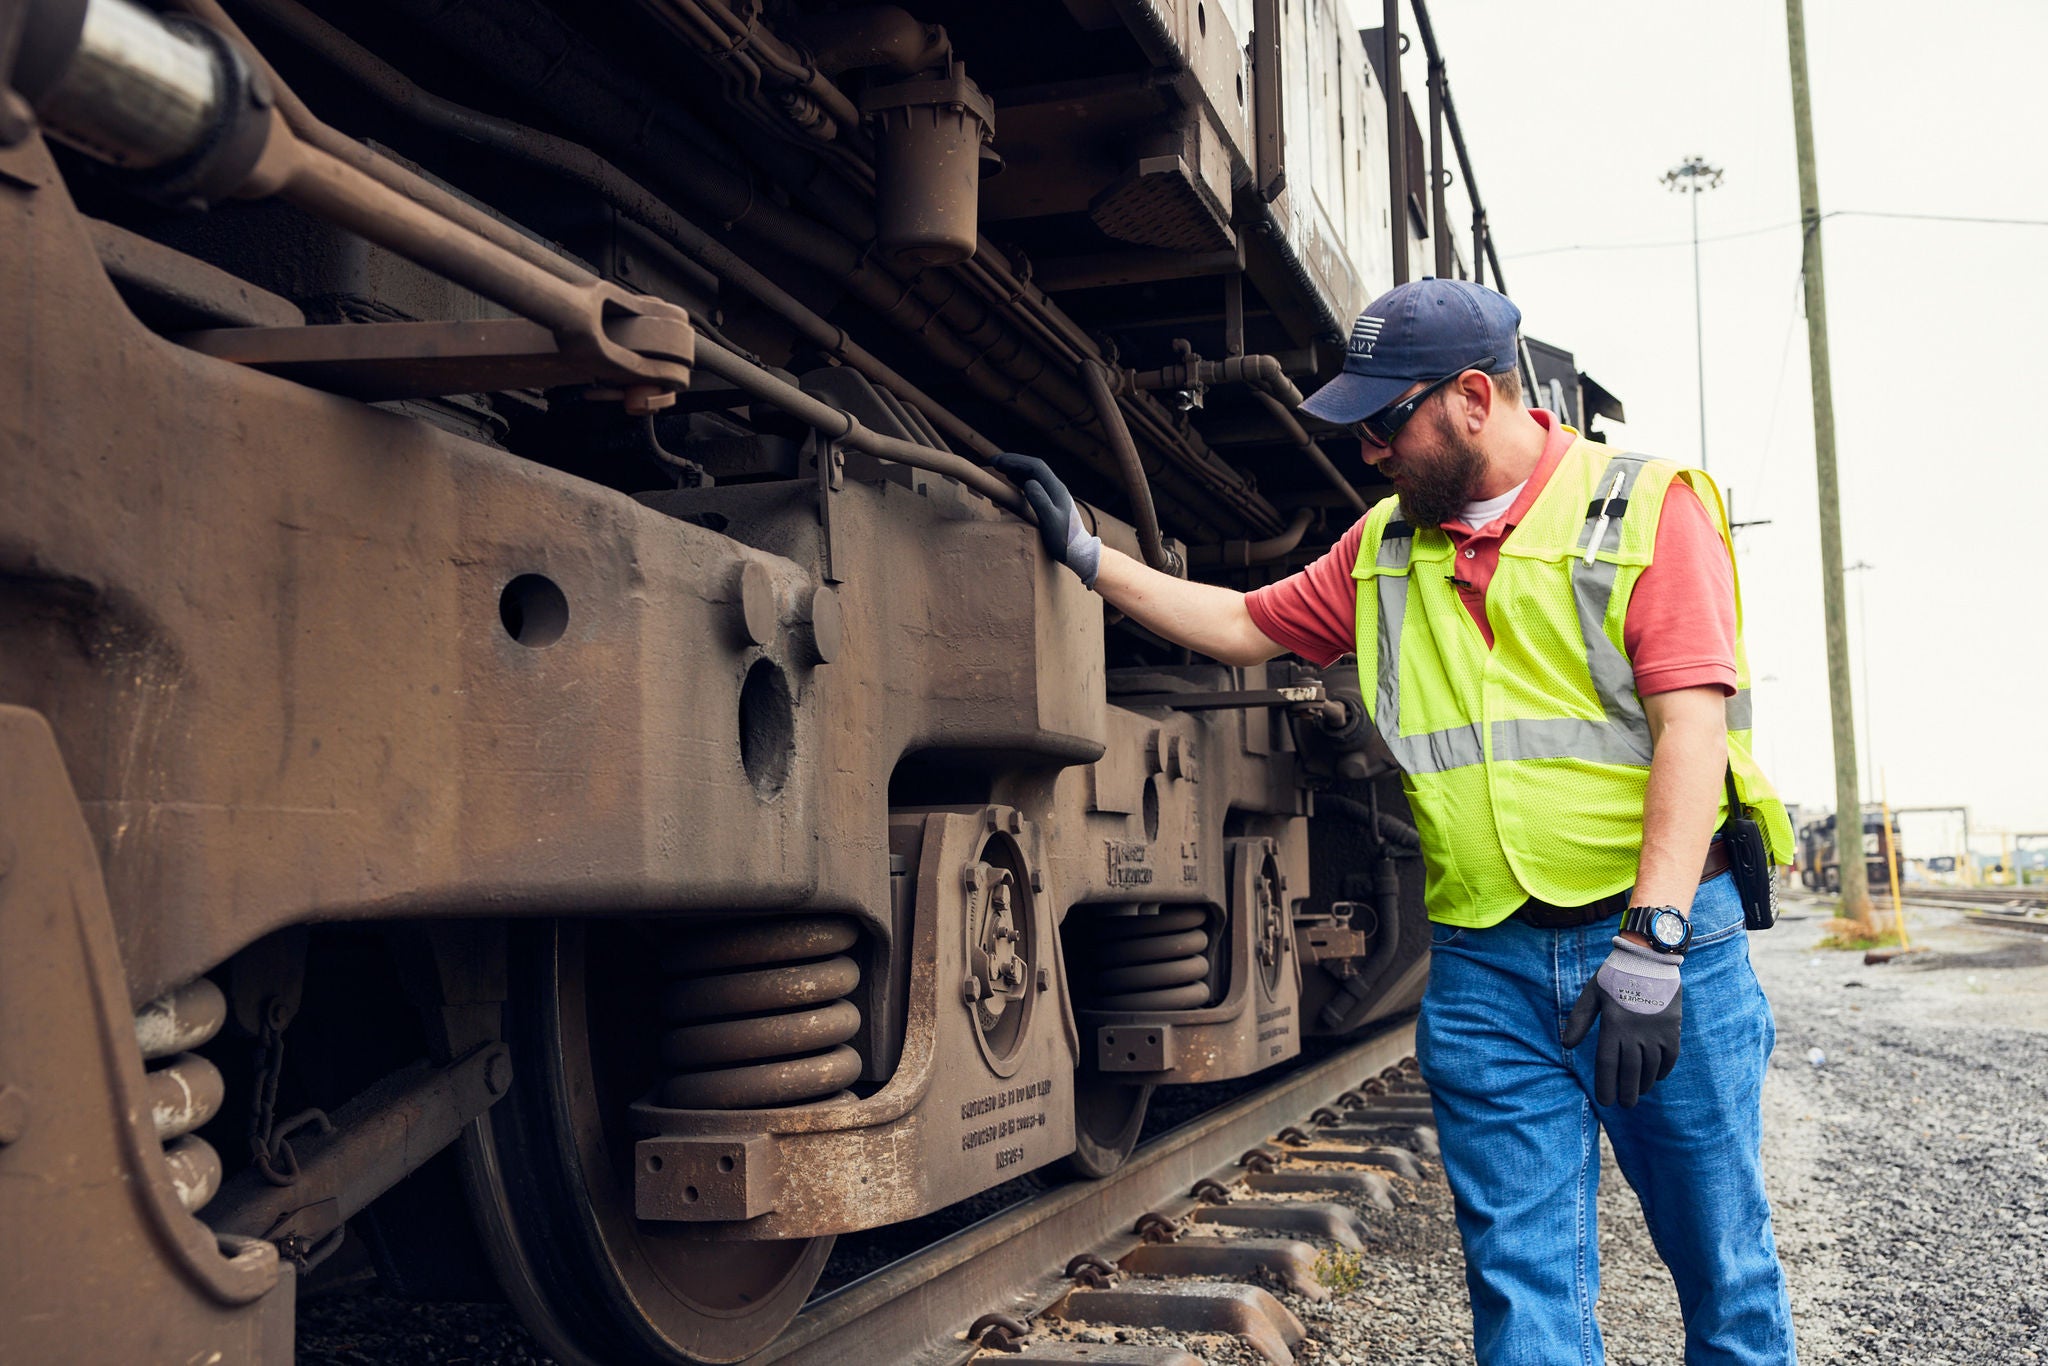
471 679
1011 1261
367 1147
81 1165
418 360
191 292
1246 1312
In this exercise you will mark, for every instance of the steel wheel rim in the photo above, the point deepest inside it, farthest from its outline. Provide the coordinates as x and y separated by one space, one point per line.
609 1286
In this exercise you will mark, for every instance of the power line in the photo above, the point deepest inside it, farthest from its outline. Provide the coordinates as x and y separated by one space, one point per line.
1778 386
1779 227
1649 246
1940 217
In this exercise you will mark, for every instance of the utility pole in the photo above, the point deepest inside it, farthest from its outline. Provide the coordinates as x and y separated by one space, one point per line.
1694 177
1869 750
1841 703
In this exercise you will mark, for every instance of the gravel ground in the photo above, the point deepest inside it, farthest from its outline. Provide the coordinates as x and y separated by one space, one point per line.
1908 1166
1910 1162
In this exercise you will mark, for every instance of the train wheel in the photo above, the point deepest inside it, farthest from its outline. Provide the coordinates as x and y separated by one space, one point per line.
550 1176
1108 1116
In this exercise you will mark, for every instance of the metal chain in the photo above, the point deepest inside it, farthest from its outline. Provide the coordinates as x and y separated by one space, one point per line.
272 1155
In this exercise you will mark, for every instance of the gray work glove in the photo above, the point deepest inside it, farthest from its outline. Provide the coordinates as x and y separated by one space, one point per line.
1639 1002
1059 524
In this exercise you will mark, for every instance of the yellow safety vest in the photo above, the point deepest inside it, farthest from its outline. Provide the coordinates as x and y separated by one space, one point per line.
1525 765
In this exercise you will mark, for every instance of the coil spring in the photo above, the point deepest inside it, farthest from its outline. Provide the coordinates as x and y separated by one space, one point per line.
186 1091
1152 962
758 1015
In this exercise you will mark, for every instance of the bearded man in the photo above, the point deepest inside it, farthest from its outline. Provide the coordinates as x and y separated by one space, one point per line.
1548 639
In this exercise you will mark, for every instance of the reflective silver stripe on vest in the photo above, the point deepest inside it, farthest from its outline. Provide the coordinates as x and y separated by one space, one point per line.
1739 711
1621 737
1598 742
1435 751
1624 737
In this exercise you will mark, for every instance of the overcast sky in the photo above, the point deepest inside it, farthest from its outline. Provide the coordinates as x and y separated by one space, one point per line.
1573 109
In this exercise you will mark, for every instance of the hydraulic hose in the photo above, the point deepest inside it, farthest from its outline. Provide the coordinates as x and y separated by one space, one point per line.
1382 826
1310 449
1096 376
1269 384
1244 554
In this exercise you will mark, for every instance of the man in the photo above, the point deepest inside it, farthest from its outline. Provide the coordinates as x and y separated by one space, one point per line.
1549 641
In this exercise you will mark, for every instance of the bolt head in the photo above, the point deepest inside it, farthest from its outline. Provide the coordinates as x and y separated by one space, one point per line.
971 989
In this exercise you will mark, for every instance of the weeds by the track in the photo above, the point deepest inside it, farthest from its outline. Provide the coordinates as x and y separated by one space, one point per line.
1851 936
1341 1271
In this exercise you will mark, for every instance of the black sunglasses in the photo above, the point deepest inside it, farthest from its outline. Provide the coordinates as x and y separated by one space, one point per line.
1382 427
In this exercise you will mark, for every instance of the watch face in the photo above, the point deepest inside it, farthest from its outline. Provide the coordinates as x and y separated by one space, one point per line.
1668 928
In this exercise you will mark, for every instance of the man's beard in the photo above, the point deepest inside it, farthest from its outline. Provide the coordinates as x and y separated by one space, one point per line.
1434 488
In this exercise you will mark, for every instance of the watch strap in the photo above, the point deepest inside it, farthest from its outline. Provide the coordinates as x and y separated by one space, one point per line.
1639 919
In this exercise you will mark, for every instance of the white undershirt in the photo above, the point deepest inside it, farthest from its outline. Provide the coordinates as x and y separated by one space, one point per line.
1478 515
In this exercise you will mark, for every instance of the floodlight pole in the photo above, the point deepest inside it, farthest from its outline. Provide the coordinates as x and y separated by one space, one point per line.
1841 703
1693 177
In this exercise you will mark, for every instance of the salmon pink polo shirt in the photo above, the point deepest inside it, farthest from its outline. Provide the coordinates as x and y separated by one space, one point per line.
1680 628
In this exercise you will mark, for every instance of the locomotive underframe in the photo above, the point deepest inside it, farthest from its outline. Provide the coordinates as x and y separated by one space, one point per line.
271 658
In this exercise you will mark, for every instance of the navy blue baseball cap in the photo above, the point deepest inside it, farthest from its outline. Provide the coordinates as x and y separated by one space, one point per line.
1418 333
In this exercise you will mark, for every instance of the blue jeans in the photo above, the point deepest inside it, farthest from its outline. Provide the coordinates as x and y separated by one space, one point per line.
1515 1114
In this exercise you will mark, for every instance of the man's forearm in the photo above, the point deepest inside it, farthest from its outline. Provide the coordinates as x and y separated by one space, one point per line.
1201 616
1689 738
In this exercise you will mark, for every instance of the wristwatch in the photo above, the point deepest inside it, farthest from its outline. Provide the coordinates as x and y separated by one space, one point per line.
1666 929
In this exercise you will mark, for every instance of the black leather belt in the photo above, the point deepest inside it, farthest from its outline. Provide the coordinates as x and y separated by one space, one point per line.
1545 916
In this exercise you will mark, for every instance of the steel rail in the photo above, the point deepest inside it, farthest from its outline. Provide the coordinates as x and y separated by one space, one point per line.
1011 1261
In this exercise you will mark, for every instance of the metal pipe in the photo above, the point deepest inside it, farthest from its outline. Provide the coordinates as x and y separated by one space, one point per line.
1310 449
836 424
1262 372
381 168
1482 237
774 54
582 316
136 92
962 318
1244 554
1269 383
1095 376
251 149
371 1144
1437 214
1397 136
642 205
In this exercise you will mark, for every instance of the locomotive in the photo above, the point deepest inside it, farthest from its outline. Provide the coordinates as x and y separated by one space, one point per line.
530 739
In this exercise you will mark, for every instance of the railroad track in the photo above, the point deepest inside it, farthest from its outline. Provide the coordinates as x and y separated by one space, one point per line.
2003 908
1227 1198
